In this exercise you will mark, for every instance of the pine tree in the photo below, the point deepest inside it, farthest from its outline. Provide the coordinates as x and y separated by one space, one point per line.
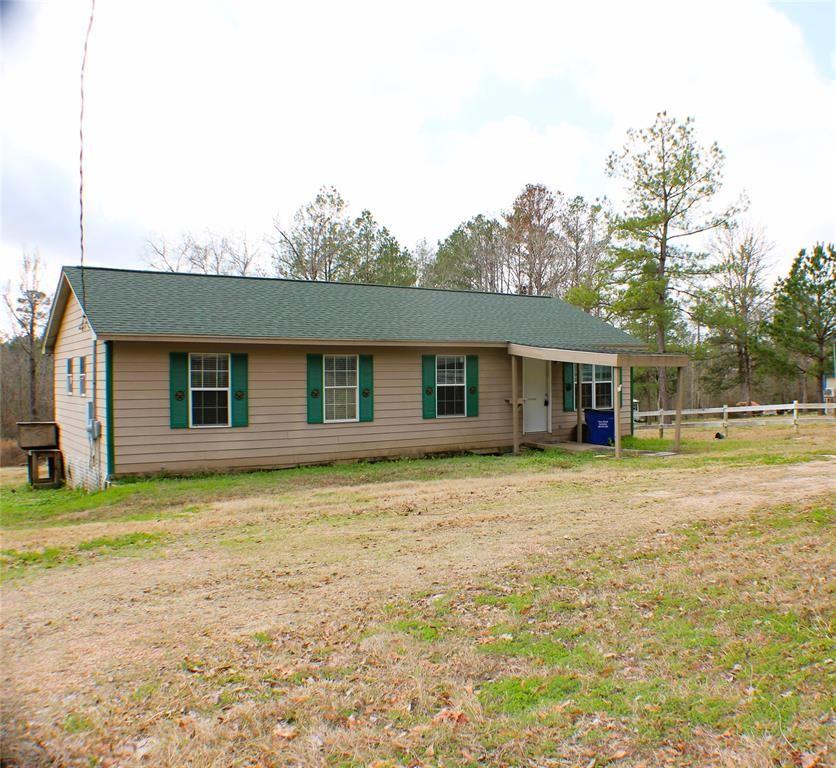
803 325
671 182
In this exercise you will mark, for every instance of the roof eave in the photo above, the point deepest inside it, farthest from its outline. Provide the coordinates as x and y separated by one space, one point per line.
628 357
294 340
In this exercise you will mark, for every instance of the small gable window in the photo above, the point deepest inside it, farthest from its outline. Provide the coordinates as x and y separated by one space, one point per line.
340 387
450 385
209 390
69 375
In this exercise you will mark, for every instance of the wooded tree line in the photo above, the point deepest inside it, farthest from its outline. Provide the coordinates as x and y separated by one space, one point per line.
671 265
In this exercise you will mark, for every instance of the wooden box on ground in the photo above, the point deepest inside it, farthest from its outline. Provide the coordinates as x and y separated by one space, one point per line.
37 434
51 459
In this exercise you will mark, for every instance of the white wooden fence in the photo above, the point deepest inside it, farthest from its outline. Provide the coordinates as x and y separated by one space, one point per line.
785 413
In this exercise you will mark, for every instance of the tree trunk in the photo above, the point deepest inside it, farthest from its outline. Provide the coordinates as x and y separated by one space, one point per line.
33 388
660 320
663 378
33 364
821 377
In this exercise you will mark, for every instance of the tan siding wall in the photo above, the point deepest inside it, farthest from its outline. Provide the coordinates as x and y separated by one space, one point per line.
563 422
83 462
278 433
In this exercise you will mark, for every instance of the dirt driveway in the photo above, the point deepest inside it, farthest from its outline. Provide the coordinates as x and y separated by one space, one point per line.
305 563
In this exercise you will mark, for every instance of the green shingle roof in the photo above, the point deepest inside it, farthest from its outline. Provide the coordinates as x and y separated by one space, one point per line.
120 301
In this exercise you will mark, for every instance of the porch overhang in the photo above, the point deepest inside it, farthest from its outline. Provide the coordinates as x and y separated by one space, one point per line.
617 358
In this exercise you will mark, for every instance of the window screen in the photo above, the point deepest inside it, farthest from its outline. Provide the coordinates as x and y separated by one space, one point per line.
596 386
209 390
340 387
450 385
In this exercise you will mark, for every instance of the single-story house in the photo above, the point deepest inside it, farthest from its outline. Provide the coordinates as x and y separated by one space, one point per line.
175 373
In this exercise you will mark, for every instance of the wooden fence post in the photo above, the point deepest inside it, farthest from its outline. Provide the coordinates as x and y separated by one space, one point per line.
680 397
725 420
795 415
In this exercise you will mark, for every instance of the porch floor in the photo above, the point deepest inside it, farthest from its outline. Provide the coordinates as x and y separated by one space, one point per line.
544 440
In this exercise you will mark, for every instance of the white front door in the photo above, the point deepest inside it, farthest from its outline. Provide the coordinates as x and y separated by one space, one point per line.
536 392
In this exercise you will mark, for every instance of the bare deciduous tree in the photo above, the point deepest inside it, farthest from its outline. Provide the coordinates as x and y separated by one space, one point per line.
535 262
312 248
210 255
585 234
28 311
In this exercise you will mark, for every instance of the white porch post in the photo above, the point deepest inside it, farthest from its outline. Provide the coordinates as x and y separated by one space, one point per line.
680 394
578 407
515 415
617 409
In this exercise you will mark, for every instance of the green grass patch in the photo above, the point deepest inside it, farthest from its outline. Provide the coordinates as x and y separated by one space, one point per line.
77 723
14 563
425 631
144 692
518 695
568 648
516 602
648 443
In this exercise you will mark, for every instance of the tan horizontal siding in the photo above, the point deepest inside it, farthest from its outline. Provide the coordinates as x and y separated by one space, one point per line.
278 433
82 462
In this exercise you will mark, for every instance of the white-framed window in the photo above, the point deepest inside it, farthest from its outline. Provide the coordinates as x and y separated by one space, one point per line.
82 375
596 386
208 390
340 388
450 385
69 375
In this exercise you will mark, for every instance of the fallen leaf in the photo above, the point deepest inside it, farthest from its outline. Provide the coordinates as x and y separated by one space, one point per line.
285 731
451 716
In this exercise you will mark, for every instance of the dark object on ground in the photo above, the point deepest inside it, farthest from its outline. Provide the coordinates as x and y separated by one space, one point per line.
719 436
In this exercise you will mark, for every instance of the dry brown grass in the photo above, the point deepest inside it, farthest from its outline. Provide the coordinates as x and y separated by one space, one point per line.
293 629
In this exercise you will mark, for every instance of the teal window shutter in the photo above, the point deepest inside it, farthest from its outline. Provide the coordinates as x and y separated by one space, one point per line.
178 389
428 385
568 386
238 385
472 383
366 382
315 395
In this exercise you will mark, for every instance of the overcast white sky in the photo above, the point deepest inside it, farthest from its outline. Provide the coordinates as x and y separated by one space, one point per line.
220 115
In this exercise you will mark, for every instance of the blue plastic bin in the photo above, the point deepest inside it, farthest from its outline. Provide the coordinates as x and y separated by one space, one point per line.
600 426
